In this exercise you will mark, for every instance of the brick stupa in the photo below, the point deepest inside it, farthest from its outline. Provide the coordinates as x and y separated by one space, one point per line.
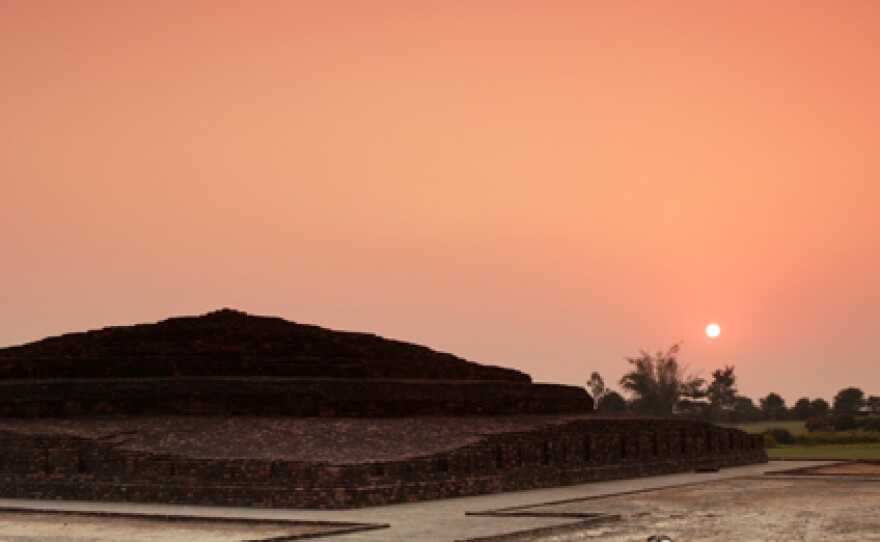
233 409
231 363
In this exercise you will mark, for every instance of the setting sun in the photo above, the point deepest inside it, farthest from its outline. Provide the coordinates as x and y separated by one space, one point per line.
713 330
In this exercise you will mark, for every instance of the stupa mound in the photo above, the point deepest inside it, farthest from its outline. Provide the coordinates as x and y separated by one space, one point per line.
232 343
233 409
231 363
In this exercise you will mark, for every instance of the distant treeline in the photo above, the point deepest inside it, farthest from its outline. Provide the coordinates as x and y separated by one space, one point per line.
657 385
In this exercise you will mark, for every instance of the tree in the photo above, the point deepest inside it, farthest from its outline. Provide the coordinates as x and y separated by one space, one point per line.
721 391
773 407
612 402
605 399
802 409
744 410
848 400
596 385
819 407
657 382
873 403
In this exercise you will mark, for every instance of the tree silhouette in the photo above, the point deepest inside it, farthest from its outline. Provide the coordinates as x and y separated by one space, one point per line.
722 389
802 409
596 385
606 399
819 407
658 383
773 406
744 410
848 400
612 402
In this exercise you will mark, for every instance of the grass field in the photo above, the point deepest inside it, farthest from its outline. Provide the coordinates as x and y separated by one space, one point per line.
868 450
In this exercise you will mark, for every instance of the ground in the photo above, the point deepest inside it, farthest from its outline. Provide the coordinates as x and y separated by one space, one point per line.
780 501
53 527
766 509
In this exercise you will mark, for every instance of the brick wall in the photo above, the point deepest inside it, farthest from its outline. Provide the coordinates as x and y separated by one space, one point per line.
60 467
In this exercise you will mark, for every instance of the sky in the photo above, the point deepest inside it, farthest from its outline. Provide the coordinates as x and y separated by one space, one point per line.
550 186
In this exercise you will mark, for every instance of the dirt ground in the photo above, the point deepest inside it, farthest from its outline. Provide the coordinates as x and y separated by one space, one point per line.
755 509
53 527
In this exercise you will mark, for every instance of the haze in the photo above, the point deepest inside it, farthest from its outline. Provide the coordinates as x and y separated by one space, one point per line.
549 186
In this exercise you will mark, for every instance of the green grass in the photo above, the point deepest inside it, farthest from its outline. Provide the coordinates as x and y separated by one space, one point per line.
817 450
828 438
795 427
867 450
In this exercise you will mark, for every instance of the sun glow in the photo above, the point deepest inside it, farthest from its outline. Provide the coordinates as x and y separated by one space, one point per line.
713 330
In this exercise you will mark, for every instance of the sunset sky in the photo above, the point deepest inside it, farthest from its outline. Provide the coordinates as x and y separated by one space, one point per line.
543 185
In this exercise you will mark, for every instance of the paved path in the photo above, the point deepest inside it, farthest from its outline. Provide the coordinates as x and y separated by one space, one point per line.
432 521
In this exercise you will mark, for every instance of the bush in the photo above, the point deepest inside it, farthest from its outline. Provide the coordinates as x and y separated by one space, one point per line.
779 435
842 422
821 423
845 422
822 429
769 442
872 425
865 421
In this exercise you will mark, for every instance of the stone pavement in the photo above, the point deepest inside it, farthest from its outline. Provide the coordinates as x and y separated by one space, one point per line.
432 521
783 508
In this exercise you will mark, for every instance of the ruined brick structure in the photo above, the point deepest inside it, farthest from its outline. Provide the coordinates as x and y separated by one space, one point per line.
231 363
230 409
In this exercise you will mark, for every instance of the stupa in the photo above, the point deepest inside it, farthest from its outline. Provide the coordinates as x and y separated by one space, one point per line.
233 409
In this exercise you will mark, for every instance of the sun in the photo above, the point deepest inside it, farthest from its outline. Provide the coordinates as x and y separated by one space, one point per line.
713 330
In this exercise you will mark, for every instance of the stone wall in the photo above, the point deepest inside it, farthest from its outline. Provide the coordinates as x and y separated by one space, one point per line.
64 467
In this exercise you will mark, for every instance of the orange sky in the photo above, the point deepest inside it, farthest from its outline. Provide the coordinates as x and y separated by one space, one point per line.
545 185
